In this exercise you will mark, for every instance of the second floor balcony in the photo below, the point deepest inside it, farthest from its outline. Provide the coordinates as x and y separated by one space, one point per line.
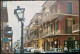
45 32
75 28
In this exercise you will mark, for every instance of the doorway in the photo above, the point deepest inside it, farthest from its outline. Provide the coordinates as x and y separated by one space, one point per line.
70 43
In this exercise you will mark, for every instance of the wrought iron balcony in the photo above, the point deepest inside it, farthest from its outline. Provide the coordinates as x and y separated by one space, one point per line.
75 28
44 34
57 32
8 32
8 29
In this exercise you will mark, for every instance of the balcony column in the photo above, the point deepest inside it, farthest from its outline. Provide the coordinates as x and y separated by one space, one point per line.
50 45
50 41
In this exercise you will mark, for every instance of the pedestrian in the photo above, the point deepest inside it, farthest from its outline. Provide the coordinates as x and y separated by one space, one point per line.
2 50
65 49
7 49
14 50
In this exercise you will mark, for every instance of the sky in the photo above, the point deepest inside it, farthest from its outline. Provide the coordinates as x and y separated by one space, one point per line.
31 8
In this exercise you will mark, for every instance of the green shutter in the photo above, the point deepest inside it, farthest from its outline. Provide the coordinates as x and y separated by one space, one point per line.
66 27
51 28
73 21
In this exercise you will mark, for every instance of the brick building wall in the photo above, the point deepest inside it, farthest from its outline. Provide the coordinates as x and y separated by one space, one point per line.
75 7
62 6
62 38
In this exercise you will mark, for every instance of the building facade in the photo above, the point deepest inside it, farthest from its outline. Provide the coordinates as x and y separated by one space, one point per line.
56 26
6 31
27 37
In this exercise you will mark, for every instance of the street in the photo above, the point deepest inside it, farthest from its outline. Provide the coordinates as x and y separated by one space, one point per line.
40 26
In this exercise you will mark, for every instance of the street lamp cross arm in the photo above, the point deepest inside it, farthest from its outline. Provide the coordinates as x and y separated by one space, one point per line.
19 12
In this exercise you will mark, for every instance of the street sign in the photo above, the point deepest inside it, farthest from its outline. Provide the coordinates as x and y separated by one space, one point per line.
5 39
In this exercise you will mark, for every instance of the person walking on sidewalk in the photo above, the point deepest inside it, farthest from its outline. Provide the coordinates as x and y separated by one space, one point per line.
14 50
7 49
65 49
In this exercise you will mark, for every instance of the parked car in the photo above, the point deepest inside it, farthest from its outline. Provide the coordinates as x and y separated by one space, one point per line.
75 50
25 48
25 51
49 52
17 50
54 50
29 49
35 51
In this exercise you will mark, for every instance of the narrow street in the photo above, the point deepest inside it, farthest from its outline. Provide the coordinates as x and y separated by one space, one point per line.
40 26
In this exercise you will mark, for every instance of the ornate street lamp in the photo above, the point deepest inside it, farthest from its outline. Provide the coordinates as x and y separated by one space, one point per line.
19 12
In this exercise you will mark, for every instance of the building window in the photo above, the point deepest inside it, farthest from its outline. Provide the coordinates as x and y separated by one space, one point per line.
55 8
56 25
51 27
4 3
51 10
69 6
73 21
68 25
36 22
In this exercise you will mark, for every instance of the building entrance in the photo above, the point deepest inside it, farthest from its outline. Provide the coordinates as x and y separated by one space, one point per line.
70 43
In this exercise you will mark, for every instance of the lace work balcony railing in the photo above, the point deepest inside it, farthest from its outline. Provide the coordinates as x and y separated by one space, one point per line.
75 28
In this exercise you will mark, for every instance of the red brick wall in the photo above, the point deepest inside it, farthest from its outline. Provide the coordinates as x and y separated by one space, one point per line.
53 8
76 19
53 25
62 6
75 7
61 39
62 22
58 7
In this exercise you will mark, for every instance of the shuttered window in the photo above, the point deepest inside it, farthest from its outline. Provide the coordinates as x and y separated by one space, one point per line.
56 25
73 21
55 8
69 6
51 27
66 26
51 10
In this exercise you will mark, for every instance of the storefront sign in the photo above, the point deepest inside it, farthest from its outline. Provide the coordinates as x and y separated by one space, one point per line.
5 39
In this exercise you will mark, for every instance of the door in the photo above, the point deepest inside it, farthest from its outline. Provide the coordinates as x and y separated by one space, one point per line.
70 44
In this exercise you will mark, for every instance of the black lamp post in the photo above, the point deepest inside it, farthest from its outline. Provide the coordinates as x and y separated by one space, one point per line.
19 12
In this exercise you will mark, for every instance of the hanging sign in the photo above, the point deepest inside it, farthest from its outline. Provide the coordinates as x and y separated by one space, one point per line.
5 39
